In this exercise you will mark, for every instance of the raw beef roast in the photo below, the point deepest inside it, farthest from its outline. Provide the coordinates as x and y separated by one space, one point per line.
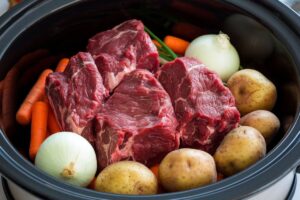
121 50
137 122
77 95
204 107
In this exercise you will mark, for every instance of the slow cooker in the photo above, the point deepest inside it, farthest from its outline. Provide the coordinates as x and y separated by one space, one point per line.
37 33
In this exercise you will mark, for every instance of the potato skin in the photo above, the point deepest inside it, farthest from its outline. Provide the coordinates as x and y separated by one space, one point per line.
241 147
252 91
185 169
127 177
264 121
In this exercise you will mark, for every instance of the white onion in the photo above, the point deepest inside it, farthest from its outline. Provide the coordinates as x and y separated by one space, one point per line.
68 157
216 52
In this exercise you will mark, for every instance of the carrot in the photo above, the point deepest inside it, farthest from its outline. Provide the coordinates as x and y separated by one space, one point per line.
176 44
10 88
154 170
61 66
220 176
38 127
92 184
30 75
9 101
36 93
53 126
180 29
156 43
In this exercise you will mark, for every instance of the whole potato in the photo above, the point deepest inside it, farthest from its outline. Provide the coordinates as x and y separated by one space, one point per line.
185 169
252 91
264 121
240 148
127 177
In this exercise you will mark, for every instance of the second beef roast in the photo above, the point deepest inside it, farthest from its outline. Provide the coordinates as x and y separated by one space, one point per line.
137 122
76 95
204 107
121 50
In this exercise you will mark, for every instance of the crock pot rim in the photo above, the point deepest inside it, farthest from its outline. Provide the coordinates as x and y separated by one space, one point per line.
7 18
30 169
287 13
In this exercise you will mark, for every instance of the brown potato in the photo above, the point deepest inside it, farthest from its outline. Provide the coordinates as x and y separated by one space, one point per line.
252 91
241 147
264 121
127 177
185 169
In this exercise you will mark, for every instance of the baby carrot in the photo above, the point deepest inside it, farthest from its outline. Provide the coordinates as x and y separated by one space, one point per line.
36 93
53 126
38 127
176 44
61 66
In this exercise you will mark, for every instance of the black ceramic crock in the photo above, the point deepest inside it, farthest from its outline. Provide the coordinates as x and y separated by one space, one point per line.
63 27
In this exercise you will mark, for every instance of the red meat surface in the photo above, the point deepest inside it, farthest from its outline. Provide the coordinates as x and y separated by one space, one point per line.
137 122
204 107
122 49
77 95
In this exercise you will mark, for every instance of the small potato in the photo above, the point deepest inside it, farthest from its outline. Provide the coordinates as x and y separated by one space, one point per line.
127 177
252 91
264 121
241 147
185 169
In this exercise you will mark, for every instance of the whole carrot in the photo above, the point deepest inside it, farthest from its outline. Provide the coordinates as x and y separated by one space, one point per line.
10 88
9 95
61 66
38 127
53 126
176 44
36 93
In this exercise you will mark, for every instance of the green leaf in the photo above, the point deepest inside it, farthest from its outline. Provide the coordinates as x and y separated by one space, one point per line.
164 51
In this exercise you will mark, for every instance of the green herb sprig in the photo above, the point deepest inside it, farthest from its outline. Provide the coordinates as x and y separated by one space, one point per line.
164 51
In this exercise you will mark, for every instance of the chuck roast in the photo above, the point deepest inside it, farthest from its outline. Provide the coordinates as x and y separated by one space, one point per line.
77 95
204 107
137 122
121 50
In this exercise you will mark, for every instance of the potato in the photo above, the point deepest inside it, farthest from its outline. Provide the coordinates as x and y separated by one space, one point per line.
127 177
264 121
252 91
185 169
241 147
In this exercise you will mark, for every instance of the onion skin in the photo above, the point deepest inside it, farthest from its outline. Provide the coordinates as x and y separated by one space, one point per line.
68 157
216 52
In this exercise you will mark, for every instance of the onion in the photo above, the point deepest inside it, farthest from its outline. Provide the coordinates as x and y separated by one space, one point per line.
216 52
68 157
